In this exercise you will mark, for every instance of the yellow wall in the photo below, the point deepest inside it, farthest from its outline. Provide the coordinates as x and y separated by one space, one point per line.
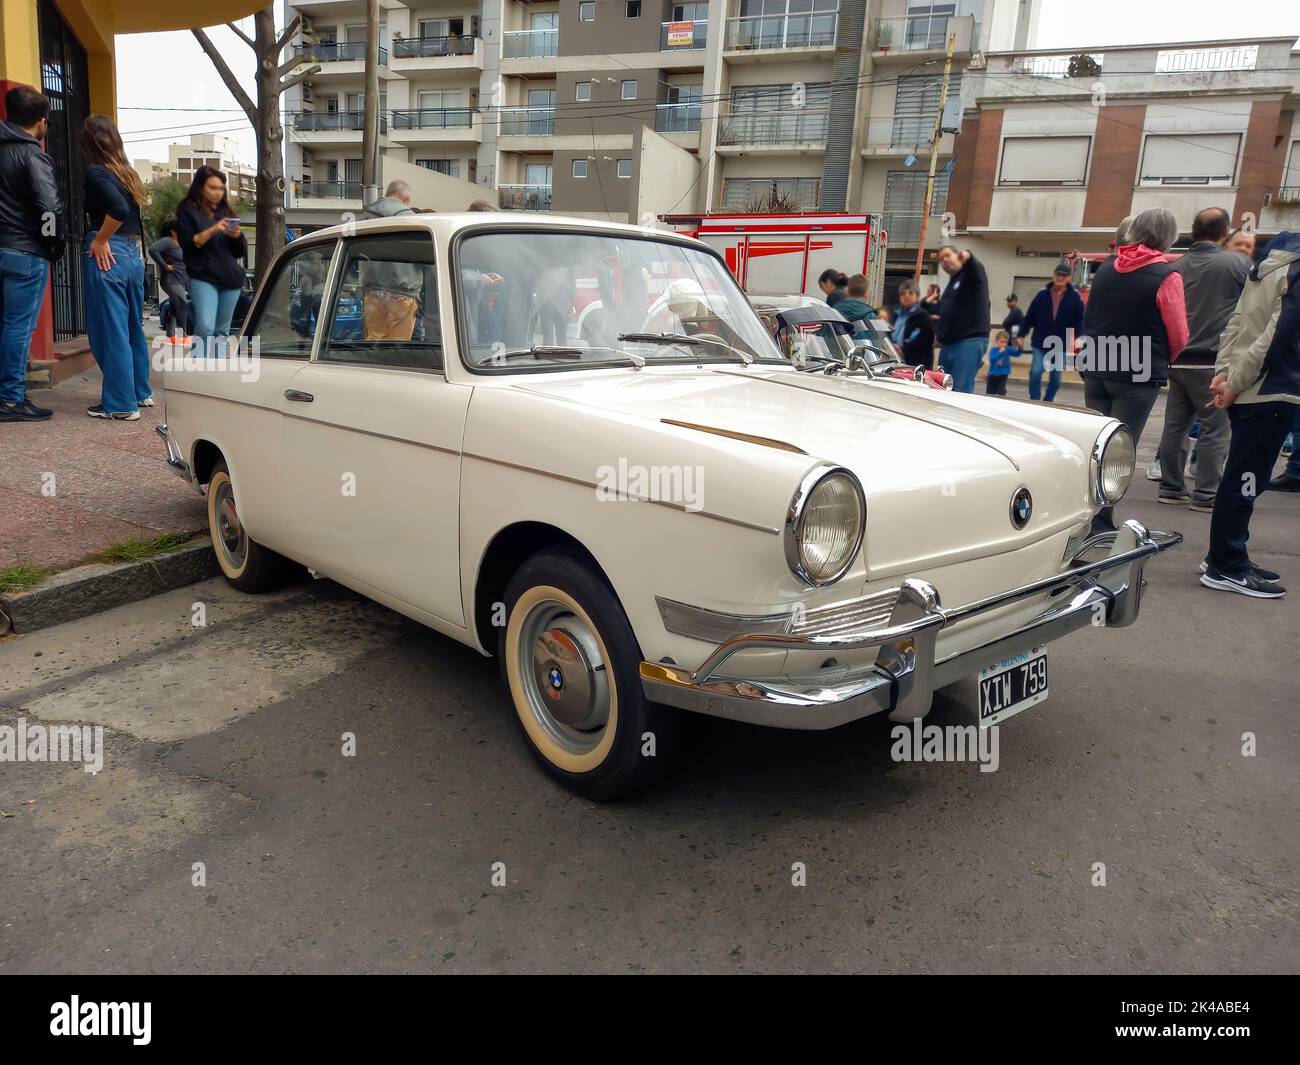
95 22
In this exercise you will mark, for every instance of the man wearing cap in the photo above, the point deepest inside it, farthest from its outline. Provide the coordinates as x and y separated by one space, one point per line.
1055 313
1014 323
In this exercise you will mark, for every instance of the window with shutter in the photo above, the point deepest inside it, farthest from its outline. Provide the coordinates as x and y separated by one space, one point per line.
1044 161
1190 159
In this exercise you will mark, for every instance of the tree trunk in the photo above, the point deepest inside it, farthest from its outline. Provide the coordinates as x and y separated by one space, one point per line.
270 144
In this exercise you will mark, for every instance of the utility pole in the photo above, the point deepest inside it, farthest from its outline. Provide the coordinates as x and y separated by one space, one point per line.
370 119
934 154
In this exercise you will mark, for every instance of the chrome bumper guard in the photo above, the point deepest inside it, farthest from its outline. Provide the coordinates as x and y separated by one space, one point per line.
174 457
906 673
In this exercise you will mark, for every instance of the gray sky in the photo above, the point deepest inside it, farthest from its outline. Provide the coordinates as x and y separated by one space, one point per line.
155 70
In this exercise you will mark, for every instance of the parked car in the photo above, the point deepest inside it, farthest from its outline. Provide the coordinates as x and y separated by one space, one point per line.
656 511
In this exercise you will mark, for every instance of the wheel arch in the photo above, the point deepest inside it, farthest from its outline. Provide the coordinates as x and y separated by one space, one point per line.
206 455
505 553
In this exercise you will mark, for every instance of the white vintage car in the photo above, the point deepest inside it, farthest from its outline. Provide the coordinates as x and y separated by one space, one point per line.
575 446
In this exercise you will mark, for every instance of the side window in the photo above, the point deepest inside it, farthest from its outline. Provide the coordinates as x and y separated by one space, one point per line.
385 312
286 321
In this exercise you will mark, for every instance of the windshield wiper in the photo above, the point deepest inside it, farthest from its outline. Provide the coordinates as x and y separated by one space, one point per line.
566 354
685 338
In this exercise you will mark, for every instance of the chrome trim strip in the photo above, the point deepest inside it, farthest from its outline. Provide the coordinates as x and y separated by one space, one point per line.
592 484
906 670
369 432
717 626
748 438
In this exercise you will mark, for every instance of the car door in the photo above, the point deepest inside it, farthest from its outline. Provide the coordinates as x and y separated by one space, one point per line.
274 344
372 431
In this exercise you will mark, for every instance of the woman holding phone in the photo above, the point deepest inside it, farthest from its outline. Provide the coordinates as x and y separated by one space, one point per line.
213 247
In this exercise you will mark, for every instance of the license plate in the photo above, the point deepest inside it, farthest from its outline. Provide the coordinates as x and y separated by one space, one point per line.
1012 685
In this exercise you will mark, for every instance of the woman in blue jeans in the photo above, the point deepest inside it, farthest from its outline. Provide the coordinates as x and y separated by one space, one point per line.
113 272
213 246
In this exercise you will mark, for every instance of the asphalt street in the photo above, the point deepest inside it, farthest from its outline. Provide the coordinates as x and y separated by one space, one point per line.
228 831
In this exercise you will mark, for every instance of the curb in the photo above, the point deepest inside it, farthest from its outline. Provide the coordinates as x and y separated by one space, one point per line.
84 590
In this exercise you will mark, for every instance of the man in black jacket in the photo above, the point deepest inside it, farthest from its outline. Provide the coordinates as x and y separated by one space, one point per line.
963 328
31 235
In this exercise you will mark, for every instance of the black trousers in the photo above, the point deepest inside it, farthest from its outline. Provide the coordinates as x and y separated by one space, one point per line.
995 385
1258 430
178 311
1130 403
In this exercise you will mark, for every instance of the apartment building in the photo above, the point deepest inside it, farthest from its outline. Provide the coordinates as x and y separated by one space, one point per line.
1056 148
183 159
629 109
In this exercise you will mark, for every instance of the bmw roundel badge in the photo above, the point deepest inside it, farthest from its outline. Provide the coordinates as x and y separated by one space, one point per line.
1022 508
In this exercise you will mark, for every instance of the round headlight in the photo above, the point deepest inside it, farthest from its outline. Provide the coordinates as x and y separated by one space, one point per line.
824 526
1113 458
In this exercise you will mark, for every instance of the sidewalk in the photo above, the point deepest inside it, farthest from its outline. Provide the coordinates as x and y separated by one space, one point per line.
110 480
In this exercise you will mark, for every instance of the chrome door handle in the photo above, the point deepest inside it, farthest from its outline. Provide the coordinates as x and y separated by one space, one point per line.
294 396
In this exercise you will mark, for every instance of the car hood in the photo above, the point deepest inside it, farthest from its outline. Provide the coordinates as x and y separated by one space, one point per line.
939 471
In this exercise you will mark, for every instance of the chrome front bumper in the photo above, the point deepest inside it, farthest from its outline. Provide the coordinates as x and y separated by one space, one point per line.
905 673
174 457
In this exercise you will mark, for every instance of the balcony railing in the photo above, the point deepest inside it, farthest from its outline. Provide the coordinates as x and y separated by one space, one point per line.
1086 64
524 197
1203 60
912 34
527 121
813 30
334 121
775 127
904 227
339 52
1287 194
529 44
329 190
683 36
677 118
429 47
434 118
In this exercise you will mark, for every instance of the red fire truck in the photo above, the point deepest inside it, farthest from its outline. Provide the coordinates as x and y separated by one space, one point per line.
784 254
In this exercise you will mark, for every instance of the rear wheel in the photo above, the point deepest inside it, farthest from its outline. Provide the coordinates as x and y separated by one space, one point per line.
571 663
244 562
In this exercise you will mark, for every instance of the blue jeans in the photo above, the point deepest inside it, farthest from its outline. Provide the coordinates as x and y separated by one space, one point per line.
1036 376
962 359
22 288
115 324
212 309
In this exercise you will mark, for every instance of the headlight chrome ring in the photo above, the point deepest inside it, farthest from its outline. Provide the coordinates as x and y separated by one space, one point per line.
1117 435
797 514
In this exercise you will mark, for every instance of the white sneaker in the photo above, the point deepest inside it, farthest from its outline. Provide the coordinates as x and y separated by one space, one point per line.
147 402
1153 471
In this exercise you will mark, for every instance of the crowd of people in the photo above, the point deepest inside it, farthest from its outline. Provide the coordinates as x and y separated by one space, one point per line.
200 260
1216 326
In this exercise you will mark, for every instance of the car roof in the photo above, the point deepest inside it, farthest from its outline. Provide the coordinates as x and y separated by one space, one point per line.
448 225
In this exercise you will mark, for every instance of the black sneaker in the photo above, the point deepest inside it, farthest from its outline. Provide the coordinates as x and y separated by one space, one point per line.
120 416
1284 484
26 411
1259 571
1249 584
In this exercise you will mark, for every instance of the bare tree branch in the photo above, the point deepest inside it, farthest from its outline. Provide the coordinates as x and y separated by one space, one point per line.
287 34
300 77
290 65
232 82
241 35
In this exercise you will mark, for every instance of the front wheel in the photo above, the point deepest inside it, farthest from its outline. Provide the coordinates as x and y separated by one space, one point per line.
244 562
571 663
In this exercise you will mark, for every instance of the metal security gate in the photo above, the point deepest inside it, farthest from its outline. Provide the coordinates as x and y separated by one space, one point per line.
64 79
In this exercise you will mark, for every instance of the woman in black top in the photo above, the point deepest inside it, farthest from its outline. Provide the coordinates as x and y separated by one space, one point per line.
213 245
113 273
832 284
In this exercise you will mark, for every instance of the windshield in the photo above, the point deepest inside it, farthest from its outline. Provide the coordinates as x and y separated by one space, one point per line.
544 298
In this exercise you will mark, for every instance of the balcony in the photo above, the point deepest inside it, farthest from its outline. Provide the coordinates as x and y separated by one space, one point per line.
338 52
435 124
921 33
524 197
527 122
799 130
677 118
427 47
904 227
1282 210
903 135
683 36
327 190
335 122
529 44
752 33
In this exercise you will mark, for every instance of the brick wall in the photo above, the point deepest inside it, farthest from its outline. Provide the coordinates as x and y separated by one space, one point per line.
984 170
1267 136
1113 172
